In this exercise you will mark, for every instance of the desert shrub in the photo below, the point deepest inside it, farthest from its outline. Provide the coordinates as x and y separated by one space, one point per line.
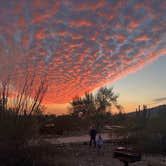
148 136
18 128
20 105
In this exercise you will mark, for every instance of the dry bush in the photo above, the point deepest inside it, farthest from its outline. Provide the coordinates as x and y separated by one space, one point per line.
20 104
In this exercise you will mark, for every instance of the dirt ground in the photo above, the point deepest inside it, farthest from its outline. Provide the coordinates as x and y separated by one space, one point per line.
71 151
83 155
73 139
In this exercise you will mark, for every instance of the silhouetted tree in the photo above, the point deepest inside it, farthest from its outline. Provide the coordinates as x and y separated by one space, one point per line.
105 98
92 103
84 106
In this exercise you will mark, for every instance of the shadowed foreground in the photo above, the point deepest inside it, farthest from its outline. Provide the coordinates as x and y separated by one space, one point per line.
83 155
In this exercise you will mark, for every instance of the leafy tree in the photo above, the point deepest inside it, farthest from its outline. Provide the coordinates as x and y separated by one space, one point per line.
105 98
83 105
96 105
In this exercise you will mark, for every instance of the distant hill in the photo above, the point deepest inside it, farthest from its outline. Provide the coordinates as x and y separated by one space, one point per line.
154 111
157 110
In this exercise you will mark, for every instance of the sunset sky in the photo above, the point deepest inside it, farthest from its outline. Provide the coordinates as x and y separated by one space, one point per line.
82 45
146 86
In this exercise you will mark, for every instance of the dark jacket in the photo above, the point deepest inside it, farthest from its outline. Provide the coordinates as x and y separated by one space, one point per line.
93 133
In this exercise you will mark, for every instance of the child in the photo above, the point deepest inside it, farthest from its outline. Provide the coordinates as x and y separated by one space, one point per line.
99 143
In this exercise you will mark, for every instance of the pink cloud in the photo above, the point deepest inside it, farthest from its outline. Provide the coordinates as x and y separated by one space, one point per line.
80 45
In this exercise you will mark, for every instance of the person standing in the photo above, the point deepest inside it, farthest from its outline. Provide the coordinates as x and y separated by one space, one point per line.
92 134
99 143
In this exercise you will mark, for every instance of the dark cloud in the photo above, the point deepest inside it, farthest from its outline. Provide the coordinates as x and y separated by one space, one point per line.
159 99
82 45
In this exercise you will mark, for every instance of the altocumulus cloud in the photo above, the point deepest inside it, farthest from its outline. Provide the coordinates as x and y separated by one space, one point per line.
80 44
